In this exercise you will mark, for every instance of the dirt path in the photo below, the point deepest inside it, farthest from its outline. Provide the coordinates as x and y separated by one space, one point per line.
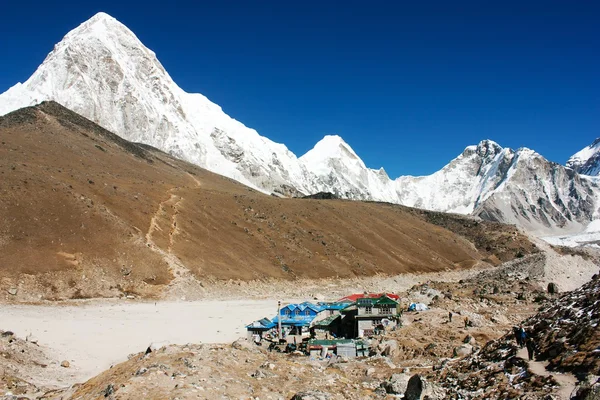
182 278
567 382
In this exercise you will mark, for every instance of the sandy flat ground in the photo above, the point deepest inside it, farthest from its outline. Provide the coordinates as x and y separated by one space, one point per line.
94 336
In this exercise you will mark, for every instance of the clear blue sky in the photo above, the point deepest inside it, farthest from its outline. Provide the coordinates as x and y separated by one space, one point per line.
407 85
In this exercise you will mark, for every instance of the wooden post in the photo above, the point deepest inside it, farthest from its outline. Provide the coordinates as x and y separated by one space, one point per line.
279 320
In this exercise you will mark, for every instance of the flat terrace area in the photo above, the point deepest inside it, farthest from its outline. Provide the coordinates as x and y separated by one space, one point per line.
93 336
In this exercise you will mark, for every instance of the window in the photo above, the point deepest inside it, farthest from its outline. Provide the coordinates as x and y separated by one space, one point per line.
297 312
306 312
368 310
288 313
384 310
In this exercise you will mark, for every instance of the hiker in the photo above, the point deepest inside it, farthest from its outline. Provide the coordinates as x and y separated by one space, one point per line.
449 316
530 348
522 337
517 335
467 322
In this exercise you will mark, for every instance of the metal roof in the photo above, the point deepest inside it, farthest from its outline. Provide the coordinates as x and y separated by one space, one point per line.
327 321
264 323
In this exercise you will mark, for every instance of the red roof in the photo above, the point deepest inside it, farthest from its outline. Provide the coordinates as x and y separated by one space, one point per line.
354 297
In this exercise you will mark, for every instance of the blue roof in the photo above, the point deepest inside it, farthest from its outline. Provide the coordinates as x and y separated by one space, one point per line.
264 323
296 320
303 306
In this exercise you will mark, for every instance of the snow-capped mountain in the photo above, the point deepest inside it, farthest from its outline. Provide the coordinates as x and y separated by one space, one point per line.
103 72
336 168
501 184
587 160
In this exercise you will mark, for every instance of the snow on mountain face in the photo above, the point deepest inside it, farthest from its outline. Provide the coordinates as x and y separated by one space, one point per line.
336 168
103 72
587 160
519 187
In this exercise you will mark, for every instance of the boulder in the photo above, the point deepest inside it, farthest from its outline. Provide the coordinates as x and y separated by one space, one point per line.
463 350
414 388
311 395
470 340
12 291
65 364
418 389
242 344
258 374
552 288
396 384
389 348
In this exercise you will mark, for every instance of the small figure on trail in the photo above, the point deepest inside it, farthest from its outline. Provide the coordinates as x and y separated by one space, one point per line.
517 335
522 336
530 348
449 316
467 322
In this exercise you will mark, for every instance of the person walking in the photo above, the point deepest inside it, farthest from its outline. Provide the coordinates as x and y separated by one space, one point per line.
449 316
522 337
467 322
517 335
530 344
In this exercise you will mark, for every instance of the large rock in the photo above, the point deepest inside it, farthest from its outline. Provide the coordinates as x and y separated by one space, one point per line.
396 384
311 395
389 348
418 389
470 340
463 350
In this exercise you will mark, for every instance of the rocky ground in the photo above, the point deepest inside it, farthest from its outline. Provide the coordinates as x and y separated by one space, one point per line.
429 355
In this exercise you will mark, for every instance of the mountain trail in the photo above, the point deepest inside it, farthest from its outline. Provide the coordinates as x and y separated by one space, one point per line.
182 277
567 382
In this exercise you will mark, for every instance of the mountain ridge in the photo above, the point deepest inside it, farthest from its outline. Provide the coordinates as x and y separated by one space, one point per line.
101 70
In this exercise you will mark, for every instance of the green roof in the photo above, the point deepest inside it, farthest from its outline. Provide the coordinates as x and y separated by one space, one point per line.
327 321
386 300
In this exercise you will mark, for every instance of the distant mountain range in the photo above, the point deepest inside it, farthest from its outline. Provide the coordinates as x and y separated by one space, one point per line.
103 72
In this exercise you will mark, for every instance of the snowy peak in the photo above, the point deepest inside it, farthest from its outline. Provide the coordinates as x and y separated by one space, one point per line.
587 160
328 148
488 149
102 71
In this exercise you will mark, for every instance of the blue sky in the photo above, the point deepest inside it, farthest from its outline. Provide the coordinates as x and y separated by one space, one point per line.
407 85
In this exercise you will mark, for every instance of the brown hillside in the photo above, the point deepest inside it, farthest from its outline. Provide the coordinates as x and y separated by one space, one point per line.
84 213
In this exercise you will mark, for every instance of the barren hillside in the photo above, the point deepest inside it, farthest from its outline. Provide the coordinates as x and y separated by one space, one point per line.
84 213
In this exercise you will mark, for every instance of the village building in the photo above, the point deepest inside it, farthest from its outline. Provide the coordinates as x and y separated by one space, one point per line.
354 297
369 316
261 329
329 325
349 348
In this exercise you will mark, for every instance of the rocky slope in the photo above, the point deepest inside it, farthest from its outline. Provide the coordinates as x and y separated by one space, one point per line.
87 214
567 341
449 360
103 72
